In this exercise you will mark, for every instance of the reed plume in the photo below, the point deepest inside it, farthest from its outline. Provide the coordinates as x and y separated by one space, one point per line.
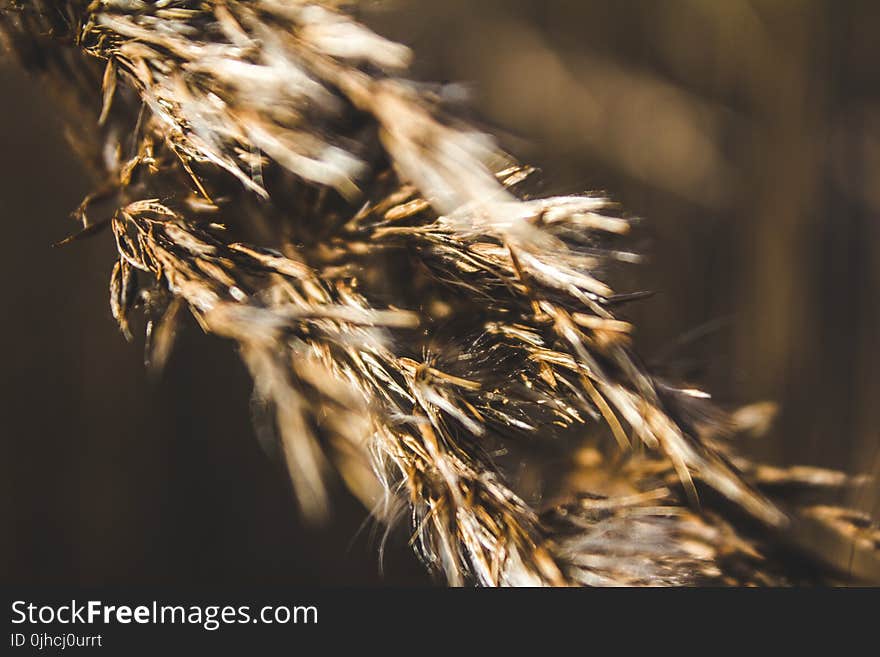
413 318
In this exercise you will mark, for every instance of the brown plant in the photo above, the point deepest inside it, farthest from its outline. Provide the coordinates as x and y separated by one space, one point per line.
412 318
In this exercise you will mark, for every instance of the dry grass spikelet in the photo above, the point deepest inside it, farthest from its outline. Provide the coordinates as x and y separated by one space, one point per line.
410 316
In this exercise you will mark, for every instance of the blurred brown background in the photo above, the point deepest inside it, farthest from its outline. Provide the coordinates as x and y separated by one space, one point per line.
746 134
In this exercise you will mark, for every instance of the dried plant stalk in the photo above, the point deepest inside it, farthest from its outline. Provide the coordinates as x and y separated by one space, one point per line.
410 317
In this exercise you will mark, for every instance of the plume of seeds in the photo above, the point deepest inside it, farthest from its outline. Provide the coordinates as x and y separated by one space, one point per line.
411 319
